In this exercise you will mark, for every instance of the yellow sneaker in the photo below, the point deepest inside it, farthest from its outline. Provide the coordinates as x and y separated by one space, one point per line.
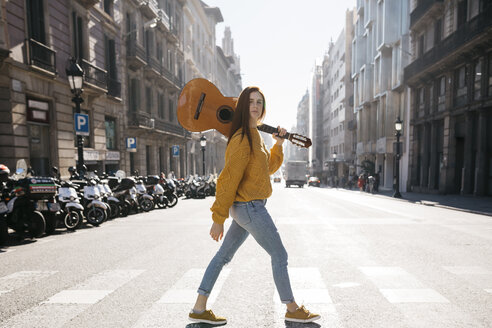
207 316
301 315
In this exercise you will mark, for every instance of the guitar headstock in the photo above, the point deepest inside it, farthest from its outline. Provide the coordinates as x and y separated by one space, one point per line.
299 140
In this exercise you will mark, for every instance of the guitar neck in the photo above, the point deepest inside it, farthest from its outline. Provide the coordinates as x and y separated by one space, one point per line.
270 129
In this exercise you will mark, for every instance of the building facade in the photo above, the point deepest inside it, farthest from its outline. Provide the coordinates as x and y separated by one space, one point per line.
339 126
302 128
379 53
450 78
133 56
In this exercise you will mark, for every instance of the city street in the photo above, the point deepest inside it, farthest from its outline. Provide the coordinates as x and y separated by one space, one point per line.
359 260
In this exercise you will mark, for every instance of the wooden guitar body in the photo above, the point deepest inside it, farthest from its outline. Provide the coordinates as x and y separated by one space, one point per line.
202 107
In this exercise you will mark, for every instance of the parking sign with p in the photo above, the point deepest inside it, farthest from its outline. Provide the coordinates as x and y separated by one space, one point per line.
131 144
81 124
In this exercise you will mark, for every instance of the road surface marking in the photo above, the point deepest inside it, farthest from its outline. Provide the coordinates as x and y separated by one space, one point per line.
399 286
310 290
67 304
467 270
180 298
413 296
22 278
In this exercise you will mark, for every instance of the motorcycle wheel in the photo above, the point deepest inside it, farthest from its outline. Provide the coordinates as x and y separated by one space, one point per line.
95 216
114 209
37 225
50 220
72 219
4 232
124 210
173 200
147 205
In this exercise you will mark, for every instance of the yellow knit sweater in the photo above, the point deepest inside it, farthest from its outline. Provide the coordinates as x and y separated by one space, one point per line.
246 174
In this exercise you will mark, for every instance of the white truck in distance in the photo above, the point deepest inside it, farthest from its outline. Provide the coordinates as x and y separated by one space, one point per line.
295 173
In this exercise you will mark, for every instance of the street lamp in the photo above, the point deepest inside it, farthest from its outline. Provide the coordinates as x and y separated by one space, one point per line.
334 155
75 76
203 143
398 127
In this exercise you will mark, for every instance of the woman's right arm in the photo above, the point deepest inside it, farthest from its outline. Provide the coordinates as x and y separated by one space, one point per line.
236 160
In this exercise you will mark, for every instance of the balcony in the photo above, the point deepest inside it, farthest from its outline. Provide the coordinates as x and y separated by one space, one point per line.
88 3
153 68
148 7
114 88
140 120
135 53
169 128
163 21
352 125
94 77
173 80
448 49
41 56
425 8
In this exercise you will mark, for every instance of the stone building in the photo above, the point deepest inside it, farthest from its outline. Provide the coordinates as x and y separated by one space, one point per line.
450 78
302 128
379 53
339 126
37 121
153 58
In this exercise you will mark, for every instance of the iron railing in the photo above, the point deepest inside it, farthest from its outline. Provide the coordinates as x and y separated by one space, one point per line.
421 9
41 55
478 25
94 75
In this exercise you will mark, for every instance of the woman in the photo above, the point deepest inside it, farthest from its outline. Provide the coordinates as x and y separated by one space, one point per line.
243 187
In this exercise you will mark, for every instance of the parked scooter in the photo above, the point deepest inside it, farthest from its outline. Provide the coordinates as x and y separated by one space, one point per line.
144 200
21 193
71 209
156 191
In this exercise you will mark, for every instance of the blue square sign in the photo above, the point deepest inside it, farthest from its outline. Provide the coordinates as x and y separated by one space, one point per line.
81 122
131 144
175 150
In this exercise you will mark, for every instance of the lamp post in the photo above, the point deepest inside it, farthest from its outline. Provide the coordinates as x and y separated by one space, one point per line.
398 127
334 155
203 143
75 76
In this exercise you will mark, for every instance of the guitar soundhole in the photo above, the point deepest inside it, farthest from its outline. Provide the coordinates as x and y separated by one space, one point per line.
224 114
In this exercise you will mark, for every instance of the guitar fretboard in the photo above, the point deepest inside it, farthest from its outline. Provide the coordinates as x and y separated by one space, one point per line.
270 129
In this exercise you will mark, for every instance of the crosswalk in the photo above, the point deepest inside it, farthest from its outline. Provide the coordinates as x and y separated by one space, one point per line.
401 290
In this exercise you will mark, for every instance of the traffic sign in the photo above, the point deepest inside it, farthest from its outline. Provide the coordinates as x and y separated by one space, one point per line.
175 150
131 144
81 122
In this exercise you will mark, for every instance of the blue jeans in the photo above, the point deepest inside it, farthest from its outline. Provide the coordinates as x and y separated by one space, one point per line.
251 218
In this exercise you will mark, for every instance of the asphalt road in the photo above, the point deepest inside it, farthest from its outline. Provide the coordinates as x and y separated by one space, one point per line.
357 259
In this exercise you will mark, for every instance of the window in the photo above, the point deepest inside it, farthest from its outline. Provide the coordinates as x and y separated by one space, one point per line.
147 158
110 58
160 105
134 94
477 79
110 124
441 99
490 74
432 106
148 99
462 12
438 31
420 101
421 45
78 36
171 111
460 86
87 139
35 20
108 7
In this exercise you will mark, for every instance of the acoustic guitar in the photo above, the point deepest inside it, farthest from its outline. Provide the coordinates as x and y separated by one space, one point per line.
201 107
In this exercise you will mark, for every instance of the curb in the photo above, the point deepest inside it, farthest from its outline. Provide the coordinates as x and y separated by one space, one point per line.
420 202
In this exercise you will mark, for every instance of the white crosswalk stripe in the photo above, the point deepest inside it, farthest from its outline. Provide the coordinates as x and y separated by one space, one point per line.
180 298
67 304
310 290
399 286
20 279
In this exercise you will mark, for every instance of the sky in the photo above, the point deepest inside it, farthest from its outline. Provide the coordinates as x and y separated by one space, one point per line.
278 42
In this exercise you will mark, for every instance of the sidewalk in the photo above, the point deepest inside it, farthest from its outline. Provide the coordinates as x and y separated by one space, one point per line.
471 204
